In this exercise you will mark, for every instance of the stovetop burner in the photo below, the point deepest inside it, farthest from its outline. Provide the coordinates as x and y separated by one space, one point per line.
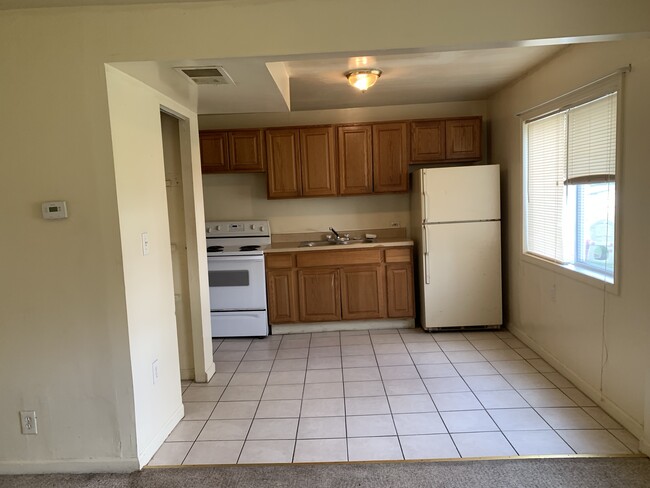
215 248
249 248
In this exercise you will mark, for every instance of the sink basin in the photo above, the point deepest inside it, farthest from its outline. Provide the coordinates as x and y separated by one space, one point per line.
316 243
334 243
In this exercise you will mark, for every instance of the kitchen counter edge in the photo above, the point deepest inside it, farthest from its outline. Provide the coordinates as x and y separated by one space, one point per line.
295 246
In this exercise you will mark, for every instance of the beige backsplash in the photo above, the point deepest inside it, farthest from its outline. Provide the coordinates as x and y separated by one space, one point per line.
390 233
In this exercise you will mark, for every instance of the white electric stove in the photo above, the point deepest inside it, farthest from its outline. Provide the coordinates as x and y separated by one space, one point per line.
237 277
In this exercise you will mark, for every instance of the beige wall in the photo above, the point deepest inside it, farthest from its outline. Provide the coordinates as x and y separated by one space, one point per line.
142 203
599 337
66 343
231 196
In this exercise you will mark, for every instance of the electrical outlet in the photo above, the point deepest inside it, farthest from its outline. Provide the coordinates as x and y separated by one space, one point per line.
28 422
154 371
394 224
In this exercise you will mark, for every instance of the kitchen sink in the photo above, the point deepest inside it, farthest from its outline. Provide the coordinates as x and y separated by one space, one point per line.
316 243
337 242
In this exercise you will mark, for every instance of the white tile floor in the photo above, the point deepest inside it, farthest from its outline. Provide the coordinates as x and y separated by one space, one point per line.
384 395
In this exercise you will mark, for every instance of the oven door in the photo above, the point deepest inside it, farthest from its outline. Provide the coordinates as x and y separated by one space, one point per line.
237 283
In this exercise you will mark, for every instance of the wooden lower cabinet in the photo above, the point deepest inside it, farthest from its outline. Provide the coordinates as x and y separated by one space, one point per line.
399 290
363 293
328 286
281 291
319 295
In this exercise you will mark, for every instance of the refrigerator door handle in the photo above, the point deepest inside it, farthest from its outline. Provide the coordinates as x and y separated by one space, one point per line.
425 256
425 204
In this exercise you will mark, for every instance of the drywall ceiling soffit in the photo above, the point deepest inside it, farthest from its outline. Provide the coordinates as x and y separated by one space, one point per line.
318 82
411 78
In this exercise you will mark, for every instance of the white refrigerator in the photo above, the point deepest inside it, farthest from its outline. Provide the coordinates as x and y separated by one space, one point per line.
456 224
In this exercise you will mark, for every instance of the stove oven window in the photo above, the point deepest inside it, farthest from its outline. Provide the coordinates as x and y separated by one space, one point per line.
229 278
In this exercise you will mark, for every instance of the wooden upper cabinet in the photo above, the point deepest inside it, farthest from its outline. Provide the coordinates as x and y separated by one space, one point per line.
283 168
246 150
317 162
463 139
214 151
232 151
390 157
427 140
355 159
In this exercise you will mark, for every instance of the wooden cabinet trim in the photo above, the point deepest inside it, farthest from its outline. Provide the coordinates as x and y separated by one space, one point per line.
280 260
399 255
339 258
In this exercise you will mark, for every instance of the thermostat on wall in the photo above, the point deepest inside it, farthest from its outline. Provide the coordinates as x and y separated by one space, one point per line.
54 210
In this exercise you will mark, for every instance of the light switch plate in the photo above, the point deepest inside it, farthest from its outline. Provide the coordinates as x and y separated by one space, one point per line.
145 243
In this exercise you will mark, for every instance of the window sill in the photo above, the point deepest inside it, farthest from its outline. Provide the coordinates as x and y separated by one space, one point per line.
592 278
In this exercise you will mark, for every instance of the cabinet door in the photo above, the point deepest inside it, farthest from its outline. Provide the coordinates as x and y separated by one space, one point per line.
214 151
399 290
283 173
281 290
319 295
355 159
246 150
390 157
463 139
317 162
427 140
362 293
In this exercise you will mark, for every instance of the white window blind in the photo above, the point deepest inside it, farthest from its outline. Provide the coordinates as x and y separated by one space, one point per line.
591 153
547 152
570 185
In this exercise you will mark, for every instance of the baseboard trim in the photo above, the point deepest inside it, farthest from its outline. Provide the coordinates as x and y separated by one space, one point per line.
634 427
147 453
187 374
644 447
106 465
304 327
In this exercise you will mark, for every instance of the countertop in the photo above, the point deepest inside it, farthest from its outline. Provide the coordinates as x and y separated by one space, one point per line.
295 246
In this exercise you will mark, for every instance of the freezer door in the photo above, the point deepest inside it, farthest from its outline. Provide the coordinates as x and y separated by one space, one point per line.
463 262
463 193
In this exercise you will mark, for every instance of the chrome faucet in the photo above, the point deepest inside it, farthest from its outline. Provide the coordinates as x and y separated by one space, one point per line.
335 233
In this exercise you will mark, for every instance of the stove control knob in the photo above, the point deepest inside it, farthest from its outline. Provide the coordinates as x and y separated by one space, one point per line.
261 228
252 226
218 227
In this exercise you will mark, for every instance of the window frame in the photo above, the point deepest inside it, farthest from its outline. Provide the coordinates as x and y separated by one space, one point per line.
592 91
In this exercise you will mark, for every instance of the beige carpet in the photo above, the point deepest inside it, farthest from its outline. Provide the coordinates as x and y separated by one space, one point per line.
628 472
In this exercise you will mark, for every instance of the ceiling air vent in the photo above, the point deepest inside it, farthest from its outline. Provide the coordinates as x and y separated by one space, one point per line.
206 75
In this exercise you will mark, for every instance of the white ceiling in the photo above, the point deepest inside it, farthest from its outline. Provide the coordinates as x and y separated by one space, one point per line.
318 83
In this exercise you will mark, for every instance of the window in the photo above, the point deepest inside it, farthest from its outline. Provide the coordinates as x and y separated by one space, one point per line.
570 185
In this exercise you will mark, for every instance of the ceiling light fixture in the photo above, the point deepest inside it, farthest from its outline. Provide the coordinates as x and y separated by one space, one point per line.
363 78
